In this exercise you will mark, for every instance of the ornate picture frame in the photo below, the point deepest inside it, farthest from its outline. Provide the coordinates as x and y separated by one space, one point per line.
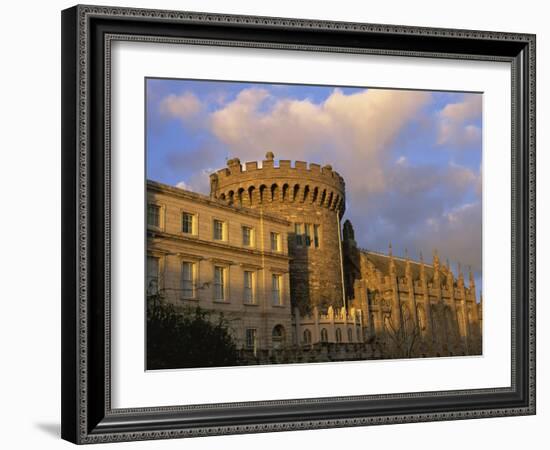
88 33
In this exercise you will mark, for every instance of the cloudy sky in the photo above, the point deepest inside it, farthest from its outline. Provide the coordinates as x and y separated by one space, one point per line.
411 159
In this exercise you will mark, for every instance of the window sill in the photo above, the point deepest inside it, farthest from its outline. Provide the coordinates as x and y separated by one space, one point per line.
279 306
250 304
223 302
194 299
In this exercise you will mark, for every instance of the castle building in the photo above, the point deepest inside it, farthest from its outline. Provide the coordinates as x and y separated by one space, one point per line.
415 308
230 260
267 250
312 199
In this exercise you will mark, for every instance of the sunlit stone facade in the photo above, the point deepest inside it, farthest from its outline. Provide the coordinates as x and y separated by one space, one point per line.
266 249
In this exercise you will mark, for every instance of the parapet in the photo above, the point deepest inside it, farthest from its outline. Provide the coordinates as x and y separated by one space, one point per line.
236 172
284 180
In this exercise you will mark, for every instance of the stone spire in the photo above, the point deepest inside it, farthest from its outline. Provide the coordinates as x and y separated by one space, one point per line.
460 276
472 280
450 276
392 262
408 272
436 266
422 268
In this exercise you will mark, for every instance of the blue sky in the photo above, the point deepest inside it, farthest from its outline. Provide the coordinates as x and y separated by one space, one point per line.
411 159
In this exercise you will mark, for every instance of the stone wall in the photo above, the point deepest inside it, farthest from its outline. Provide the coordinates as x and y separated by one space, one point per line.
302 194
172 247
415 308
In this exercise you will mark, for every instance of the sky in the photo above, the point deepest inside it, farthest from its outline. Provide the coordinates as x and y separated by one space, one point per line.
411 160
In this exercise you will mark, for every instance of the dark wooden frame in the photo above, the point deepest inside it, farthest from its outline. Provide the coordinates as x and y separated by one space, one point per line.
87 31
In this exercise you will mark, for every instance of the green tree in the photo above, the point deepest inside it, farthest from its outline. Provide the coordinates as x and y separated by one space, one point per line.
186 338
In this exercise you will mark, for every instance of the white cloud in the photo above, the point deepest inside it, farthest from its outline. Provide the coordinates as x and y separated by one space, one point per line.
198 182
183 185
457 235
469 108
455 122
183 107
349 128
389 197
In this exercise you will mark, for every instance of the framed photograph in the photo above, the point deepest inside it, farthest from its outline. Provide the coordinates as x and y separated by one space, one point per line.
283 224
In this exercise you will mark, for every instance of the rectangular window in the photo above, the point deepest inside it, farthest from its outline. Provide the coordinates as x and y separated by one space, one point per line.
188 279
219 230
153 268
247 236
316 235
249 287
219 283
298 233
275 242
276 290
308 235
251 338
187 223
153 215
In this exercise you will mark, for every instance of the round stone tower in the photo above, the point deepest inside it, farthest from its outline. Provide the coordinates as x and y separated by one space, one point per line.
312 198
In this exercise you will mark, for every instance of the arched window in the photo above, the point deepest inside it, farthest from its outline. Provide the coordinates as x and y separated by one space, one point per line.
324 335
295 192
350 335
315 195
306 193
330 197
278 336
251 190
263 188
471 329
338 335
274 192
335 202
323 197
285 192
307 336
240 196
460 319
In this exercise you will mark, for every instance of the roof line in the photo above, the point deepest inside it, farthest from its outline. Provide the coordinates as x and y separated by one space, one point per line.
214 201
399 258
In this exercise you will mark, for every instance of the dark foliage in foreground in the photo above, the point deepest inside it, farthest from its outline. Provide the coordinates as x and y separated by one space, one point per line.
186 338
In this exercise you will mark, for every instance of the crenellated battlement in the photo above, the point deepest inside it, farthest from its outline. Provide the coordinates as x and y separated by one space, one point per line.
250 185
312 198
